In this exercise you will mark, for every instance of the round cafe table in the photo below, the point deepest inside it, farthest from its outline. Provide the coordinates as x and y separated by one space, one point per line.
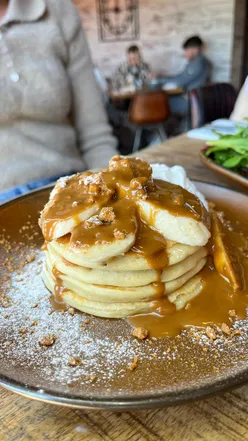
118 95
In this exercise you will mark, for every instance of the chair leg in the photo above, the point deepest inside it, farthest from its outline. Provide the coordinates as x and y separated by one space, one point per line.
162 132
137 139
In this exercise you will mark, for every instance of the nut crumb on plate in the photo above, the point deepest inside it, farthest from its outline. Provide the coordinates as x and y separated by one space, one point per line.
134 363
225 328
30 258
47 340
140 333
74 361
211 333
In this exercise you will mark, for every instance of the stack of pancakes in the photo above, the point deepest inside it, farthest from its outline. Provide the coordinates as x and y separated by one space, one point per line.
119 243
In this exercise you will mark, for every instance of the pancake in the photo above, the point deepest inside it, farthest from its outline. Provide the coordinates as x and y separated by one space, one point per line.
129 262
164 209
127 278
102 237
187 292
106 293
120 310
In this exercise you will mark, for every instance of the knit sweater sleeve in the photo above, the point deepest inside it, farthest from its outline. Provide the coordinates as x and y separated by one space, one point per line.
94 135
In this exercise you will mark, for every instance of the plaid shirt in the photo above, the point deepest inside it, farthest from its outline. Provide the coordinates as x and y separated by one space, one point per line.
124 75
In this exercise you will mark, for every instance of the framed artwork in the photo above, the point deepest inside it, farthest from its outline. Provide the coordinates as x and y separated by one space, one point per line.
118 20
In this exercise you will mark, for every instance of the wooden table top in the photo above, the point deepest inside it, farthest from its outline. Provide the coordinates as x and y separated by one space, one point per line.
118 96
219 418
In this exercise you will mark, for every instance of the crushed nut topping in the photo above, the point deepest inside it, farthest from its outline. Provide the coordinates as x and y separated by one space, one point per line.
95 184
225 328
74 361
93 221
47 340
90 378
30 258
134 363
236 332
91 199
107 214
119 235
140 333
23 331
211 334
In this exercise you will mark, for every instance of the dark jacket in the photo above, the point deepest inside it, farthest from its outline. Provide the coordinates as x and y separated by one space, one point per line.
196 74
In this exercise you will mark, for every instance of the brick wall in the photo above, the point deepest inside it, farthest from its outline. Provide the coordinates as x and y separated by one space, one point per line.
164 24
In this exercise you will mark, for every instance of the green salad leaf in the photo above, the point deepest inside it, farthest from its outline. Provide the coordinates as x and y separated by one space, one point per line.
230 151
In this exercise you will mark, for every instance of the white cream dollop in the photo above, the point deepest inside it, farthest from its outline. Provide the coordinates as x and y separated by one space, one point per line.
177 175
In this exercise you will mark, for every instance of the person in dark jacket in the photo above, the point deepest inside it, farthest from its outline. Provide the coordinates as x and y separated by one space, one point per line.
196 73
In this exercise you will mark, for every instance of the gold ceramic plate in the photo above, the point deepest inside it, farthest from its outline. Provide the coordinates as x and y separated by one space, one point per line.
222 170
169 370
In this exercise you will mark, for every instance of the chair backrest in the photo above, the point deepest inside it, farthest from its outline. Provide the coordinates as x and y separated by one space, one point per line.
149 107
211 102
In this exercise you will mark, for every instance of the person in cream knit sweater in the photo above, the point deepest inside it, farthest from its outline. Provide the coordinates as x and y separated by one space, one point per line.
52 118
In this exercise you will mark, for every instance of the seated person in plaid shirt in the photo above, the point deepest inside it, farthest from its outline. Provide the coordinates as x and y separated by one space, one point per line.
133 72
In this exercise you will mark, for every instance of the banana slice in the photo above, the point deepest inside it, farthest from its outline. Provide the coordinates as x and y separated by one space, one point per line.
176 213
102 237
181 229
225 261
74 199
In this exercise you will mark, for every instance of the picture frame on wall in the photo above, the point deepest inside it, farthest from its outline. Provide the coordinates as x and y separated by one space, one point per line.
118 20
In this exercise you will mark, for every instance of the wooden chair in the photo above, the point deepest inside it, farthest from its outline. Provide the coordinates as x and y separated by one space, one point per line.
209 103
148 110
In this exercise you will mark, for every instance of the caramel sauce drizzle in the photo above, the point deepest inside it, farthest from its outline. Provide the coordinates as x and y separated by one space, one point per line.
59 289
96 232
216 299
119 187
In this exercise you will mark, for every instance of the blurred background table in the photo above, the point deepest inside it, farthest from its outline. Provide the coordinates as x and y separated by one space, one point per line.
219 418
116 95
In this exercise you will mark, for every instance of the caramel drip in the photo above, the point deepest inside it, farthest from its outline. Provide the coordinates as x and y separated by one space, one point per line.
57 306
152 245
44 246
59 289
159 289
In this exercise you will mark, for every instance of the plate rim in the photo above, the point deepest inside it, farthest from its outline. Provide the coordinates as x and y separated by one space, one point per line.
126 403
119 403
